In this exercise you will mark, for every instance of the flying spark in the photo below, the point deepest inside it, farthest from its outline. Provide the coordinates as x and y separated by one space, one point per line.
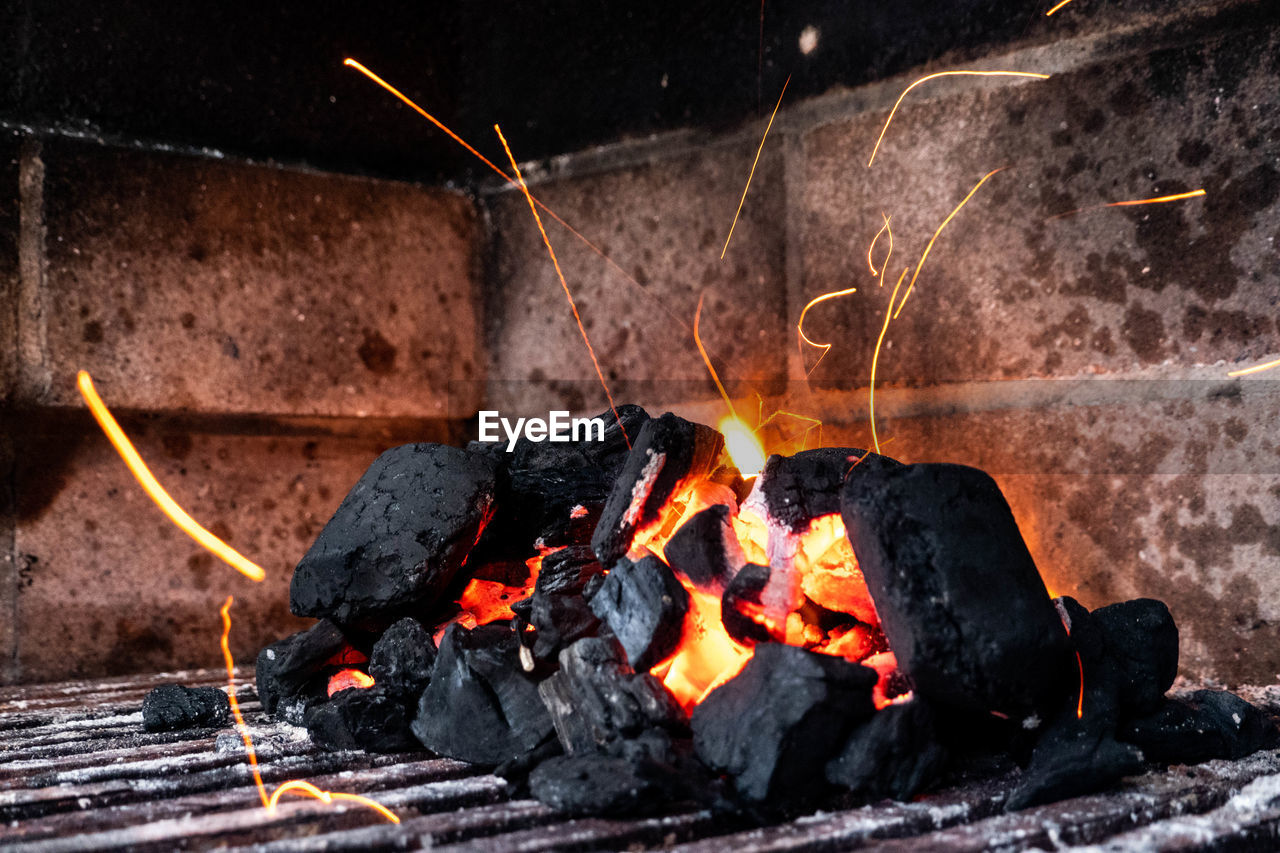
875 359
752 173
1163 199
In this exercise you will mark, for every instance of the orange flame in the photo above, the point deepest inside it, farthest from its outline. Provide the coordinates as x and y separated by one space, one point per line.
348 679
533 207
269 802
1163 199
935 76
155 491
707 656
744 447
1256 369
752 173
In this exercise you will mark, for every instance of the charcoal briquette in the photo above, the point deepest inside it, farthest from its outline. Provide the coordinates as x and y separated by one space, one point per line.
667 455
374 719
705 549
773 727
480 705
594 784
297 666
742 597
608 455
957 592
894 754
543 508
1207 724
644 605
402 658
172 706
1142 646
398 538
799 488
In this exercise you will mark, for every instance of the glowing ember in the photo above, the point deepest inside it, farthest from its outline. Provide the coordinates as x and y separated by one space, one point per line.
348 679
935 76
294 785
743 446
1080 701
155 491
752 173
706 657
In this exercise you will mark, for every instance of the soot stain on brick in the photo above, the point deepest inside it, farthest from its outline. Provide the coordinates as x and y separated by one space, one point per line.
139 646
177 446
1143 331
201 565
1193 152
377 353
1222 326
92 332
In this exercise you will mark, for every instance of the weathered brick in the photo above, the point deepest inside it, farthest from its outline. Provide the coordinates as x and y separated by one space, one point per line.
194 284
9 277
1173 499
663 223
109 585
1008 292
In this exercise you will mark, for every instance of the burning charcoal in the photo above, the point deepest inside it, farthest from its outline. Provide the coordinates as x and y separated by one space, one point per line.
644 605
598 703
1207 724
172 706
595 785
1076 755
370 718
398 537
958 595
797 489
296 665
1142 645
402 658
667 455
547 508
558 609
705 549
480 706
894 754
741 598
773 726
608 456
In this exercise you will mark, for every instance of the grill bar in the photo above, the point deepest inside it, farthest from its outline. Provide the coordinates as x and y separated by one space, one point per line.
78 772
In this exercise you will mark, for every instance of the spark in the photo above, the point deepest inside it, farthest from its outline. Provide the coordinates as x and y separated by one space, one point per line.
929 247
706 359
1131 203
813 424
1255 369
754 163
155 491
935 76
826 348
524 188
1056 8
409 102
269 802
744 447
870 264
875 358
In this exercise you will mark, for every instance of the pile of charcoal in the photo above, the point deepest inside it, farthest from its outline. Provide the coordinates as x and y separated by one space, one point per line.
967 658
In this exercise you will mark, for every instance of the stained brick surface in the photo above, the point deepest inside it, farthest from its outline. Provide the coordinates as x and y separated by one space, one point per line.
192 284
665 225
108 585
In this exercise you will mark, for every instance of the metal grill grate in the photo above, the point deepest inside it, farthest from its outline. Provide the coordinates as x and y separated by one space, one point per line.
78 773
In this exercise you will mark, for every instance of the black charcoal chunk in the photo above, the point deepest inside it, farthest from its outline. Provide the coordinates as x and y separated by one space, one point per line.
296 667
171 706
398 538
773 727
799 488
370 718
1075 756
544 508
1207 724
705 549
480 705
402 659
608 455
600 704
894 754
644 605
958 595
594 784
558 609
669 454
1142 646
740 600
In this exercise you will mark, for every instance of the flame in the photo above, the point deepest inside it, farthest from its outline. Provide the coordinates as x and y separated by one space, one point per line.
1163 199
744 447
155 491
754 163
707 656
269 802
348 679
1056 8
533 207
1256 369
935 76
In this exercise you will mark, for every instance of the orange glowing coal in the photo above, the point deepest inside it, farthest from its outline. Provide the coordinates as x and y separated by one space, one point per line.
348 679
706 657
